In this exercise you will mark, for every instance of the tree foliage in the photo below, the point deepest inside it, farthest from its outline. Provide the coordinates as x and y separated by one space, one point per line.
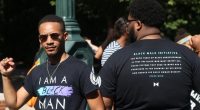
182 13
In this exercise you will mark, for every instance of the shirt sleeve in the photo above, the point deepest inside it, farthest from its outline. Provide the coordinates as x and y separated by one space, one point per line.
87 80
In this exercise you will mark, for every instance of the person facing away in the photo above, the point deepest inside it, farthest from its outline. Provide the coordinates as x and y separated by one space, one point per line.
120 39
58 84
152 73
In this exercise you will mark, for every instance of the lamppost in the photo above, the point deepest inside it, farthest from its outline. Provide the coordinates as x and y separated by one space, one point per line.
75 45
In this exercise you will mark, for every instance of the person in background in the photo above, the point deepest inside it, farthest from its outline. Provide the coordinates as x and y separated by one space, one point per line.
57 84
98 50
119 41
152 73
92 46
185 38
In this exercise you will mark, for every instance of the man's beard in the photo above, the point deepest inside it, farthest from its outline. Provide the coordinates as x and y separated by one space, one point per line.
131 36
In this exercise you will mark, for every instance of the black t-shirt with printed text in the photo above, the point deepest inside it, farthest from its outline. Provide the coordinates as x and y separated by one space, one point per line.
151 75
67 88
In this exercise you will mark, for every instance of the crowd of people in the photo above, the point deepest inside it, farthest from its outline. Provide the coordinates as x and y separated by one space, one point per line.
148 73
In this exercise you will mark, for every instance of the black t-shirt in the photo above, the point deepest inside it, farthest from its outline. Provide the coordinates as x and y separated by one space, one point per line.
67 88
151 75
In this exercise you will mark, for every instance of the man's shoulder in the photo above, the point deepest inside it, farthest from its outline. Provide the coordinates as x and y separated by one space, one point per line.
75 62
36 68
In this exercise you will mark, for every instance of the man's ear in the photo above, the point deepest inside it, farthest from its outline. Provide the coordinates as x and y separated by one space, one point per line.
138 25
65 35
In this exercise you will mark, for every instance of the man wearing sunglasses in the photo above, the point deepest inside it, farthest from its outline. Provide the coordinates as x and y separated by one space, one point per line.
152 73
61 83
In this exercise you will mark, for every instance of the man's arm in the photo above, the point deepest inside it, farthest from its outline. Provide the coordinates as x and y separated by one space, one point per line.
108 102
95 101
13 99
98 53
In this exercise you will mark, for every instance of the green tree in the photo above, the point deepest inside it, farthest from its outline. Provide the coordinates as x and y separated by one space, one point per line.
182 13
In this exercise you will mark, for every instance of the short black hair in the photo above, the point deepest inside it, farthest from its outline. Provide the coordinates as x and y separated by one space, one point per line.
149 12
52 18
119 27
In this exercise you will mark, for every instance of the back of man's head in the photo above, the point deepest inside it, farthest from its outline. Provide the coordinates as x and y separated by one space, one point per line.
52 18
149 12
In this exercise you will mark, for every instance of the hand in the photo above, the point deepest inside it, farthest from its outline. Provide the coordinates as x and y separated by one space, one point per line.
195 42
88 41
7 66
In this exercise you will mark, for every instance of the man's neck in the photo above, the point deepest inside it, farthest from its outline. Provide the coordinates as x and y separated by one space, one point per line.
151 36
59 58
149 33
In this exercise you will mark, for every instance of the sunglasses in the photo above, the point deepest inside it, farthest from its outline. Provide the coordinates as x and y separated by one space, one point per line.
54 36
129 21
